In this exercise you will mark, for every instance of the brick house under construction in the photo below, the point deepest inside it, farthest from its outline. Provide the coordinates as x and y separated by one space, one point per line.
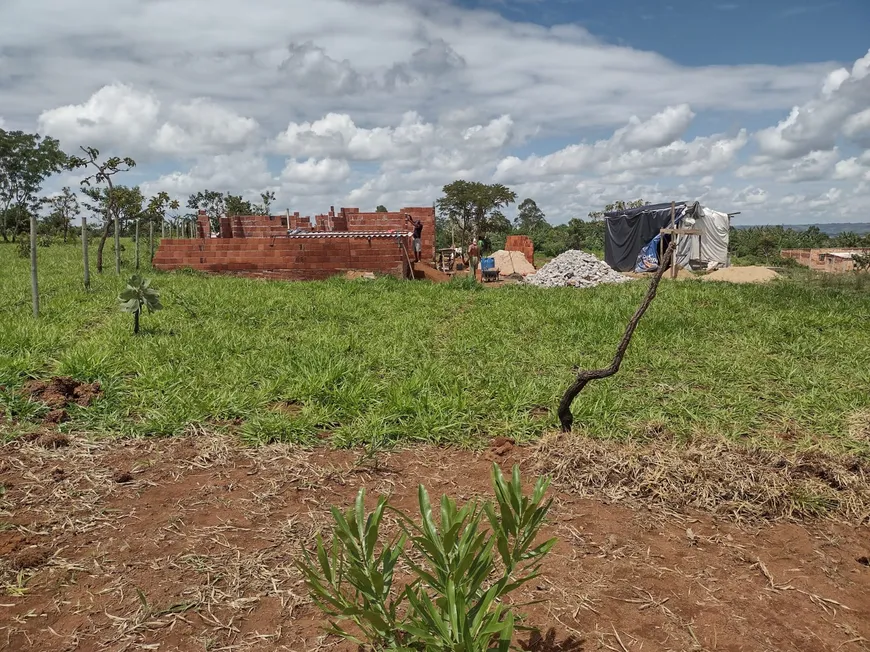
299 248
830 259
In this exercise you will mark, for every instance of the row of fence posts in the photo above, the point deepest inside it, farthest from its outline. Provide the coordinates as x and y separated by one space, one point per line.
167 230
186 229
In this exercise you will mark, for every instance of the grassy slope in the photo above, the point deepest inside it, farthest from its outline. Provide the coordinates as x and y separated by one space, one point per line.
401 360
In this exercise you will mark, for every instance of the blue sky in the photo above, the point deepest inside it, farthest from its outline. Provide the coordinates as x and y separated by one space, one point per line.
710 32
760 107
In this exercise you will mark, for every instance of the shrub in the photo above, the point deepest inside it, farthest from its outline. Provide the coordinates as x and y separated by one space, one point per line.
460 570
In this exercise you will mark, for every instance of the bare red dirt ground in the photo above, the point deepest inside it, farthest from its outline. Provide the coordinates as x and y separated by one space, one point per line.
188 543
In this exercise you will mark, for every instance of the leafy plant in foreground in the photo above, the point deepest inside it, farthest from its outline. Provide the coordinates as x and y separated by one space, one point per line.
460 570
139 294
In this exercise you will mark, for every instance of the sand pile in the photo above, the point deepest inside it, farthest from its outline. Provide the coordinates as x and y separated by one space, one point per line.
575 269
509 263
749 274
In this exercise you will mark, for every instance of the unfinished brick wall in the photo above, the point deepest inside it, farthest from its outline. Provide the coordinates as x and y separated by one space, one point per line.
522 243
354 220
259 245
822 259
296 258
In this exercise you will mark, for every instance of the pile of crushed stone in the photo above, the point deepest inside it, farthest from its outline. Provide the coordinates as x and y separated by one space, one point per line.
575 269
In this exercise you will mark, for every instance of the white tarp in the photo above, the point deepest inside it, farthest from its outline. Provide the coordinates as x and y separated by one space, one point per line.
715 229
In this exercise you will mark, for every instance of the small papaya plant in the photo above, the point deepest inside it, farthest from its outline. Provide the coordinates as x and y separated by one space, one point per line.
138 295
461 567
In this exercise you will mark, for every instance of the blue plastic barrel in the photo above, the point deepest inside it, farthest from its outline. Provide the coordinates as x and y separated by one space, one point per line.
487 263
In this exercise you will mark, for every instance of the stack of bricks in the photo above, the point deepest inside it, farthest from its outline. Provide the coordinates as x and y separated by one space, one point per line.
522 243
203 225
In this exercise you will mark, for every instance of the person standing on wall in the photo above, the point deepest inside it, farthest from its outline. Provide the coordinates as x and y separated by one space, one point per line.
418 232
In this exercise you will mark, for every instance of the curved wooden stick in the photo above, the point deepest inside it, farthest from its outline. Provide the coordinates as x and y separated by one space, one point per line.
583 377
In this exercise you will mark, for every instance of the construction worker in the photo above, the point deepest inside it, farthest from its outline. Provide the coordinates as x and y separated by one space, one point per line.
418 232
473 258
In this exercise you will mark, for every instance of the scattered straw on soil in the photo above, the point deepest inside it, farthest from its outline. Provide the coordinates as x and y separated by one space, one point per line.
859 425
713 476
197 553
749 274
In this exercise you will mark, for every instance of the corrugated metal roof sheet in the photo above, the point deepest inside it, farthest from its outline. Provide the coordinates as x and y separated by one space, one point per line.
349 234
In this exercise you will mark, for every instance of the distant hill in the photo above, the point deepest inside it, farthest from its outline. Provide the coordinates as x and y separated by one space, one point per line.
832 228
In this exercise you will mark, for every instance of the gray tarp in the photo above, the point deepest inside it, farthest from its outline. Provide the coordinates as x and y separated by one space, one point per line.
629 231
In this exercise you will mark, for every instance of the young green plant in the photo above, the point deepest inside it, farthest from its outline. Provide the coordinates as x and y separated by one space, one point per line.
454 597
138 295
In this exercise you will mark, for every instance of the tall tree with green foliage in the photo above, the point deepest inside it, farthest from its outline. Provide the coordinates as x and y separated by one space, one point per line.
122 203
104 171
529 217
236 205
26 161
213 203
381 209
474 208
64 207
155 214
267 198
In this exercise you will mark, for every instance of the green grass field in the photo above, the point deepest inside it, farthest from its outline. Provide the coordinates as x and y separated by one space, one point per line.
391 360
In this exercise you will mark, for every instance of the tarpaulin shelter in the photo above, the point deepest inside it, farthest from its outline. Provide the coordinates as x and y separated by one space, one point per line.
633 238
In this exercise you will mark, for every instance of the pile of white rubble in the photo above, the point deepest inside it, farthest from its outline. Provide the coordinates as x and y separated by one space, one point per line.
575 269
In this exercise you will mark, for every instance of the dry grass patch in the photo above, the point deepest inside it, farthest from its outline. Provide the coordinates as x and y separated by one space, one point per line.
710 475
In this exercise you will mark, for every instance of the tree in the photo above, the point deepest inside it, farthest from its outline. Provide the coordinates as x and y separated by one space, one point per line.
213 203
267 198
862 261
584 377
138 295
104 173
155 214
64 207
127 205
381 209
26 161
474 208
529 217
235 205
620 205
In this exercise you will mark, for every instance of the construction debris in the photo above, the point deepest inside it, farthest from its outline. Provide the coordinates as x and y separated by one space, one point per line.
575 269
511 263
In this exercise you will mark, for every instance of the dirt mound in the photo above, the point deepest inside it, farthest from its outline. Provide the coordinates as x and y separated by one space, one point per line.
60 391
32 558
509 263
749 274
713 476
